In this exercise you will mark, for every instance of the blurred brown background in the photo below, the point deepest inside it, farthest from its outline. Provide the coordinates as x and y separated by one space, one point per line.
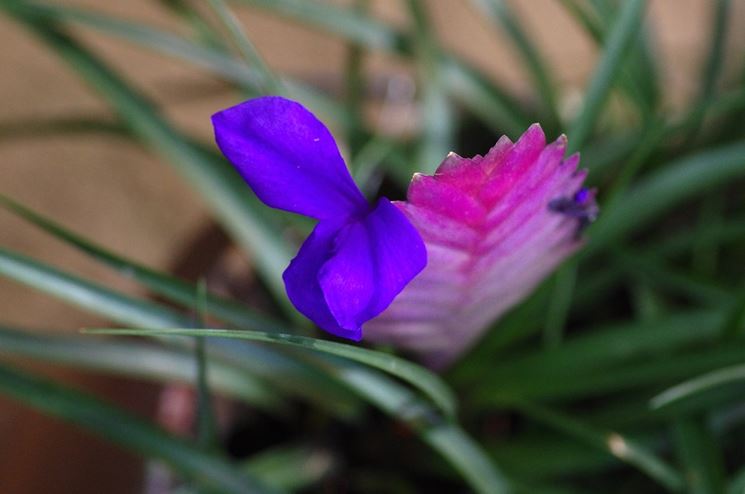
127 199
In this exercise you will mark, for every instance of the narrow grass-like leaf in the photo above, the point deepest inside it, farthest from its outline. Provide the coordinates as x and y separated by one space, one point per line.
620 38
210 58
216 180
701 459
642 373
698 385
482 97
545 87
170 287
638 78
598 349
297 376
656 272
135 360
444 436
626 450
290 467
558 309
270 84
285 373
211 471
347 23
84 294
436 114
206 427
665 188
428 383
714 61
54 126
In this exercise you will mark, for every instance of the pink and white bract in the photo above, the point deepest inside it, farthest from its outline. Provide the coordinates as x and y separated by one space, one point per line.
494 227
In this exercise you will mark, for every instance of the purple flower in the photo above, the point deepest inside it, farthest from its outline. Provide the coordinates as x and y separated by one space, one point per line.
358 257
494 227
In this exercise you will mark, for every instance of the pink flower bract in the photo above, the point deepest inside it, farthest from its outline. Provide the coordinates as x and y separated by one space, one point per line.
494 227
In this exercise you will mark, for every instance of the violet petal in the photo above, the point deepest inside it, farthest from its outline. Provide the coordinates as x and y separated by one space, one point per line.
288 157
301 279
374 259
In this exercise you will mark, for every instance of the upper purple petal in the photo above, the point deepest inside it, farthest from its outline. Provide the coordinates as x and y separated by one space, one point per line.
288 157
374 259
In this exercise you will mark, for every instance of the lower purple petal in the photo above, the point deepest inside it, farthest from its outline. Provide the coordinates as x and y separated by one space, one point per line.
301 279
374 259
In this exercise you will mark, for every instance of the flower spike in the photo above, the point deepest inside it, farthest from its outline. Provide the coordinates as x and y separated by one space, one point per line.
494 227
358 257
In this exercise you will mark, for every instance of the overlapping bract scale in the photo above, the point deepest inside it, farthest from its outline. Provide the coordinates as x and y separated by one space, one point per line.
494 227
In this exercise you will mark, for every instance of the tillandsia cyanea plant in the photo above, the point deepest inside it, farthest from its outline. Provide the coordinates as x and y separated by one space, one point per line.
493 227
622 373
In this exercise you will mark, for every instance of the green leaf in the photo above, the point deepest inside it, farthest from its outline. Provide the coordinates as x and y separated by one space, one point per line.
348 23
698 385
437 116
620 38
135 360
291 467
665 188
211 58
545 87
170 287
714 61
298 376
271 83
428 383
218 183
285 373
591 362
612 443
444 436
210 471
484 98
704 471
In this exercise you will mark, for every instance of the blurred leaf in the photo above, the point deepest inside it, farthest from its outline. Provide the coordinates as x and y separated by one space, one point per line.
553 383
135 360
210 58
639 76
500 13
218 183
714 62
666 187
115 425
656 272
702 460
600 349
348 23
436 115
420 378
623 448
620 37
444 436
698 385
271 84
286 374
482 97
206 427
290 467
170 287
41 127
559 306
485 100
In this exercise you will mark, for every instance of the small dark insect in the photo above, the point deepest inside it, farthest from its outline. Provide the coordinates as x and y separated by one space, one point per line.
581 206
